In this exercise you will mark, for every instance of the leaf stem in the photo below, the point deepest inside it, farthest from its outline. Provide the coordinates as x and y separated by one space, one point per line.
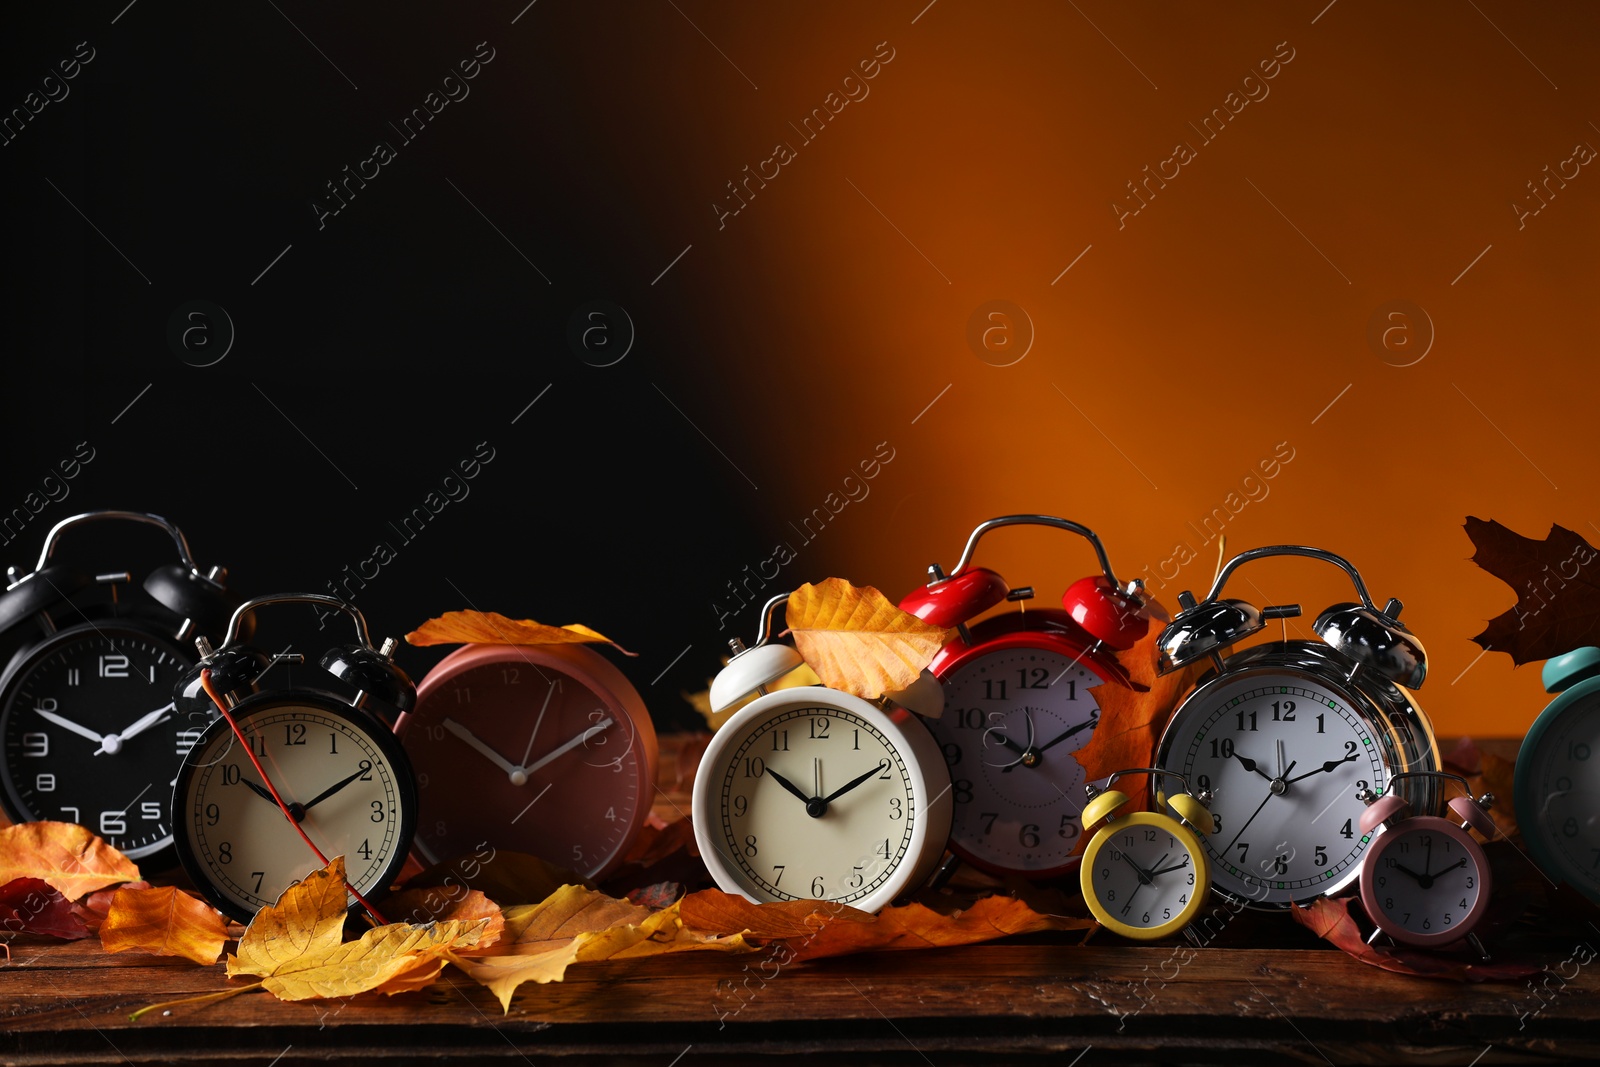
204 998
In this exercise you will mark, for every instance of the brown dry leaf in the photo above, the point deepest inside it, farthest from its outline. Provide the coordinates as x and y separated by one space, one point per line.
64 854
1558 600
578 925
92 909
492 628
701 701
1131 719
857 640
436 903
166 922
33 906
1330 919
294 946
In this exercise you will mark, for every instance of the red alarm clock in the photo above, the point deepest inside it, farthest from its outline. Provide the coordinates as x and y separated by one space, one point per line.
1017 701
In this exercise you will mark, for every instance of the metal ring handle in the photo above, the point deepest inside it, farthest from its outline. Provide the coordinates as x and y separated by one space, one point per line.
129 516
297 598
764 631
1146 770
1465 785
1033 520
1291 550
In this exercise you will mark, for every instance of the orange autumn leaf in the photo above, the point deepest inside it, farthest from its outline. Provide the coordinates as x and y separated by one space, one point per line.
435 903
1330 919
66 855
165 921
857 640
492 628
1558 593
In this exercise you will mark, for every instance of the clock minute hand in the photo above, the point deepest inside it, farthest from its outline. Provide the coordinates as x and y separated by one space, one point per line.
112 742
332 789
1326 767
851 784
482 749
1062 737
568 746
68 724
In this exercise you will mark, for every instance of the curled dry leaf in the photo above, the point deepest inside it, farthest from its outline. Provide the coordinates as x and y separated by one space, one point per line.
93 908
435 903
579 925
34 906
857 640
64 854
165 921
1330 919
295 946
492 628
1558 593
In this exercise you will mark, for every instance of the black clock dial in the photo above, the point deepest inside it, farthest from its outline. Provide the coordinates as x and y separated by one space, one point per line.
90 735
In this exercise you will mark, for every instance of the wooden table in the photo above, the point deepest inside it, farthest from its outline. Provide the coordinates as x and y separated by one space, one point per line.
1268 993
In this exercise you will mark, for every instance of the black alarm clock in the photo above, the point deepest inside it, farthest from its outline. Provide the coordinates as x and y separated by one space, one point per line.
88 728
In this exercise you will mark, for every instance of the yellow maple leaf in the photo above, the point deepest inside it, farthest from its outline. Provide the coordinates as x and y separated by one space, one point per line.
68 856
294 946
165 921
493 628
857 640
579 925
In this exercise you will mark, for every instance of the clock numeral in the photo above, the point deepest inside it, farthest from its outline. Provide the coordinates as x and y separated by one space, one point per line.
213 814
439 828
435 733
1349 749
258 743
508 676
577 854
1204 781
1321 725
1471 882
883 770
1149 834
784 735
969 718
1069 827
1244 850
464 694
294 733
817 889
1345 831
1570 827
611 815
819 729
1563 785
1222 749
35 745
1072 689
1577 750
857 747
186 740
377 811
1286 712
114 665
952 753
422 779
750 845
45 783
1028 836
1033 678
994 689
1216 824
225 851
857 879
333 744
778 877
365 850
74 675
47 704
962 788
113 822
365 767
230 774
258 876
896 808
754 767
1251 719
150 811
72 814
741 805
988 827
1280 864
1321 856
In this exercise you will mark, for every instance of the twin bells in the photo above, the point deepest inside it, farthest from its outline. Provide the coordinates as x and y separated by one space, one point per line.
1104 801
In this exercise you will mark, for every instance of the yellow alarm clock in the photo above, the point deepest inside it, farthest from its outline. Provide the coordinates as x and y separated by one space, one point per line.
1144 873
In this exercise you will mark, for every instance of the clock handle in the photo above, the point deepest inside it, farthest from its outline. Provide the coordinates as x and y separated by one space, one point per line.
244 610
80 519
1035 520
1285 550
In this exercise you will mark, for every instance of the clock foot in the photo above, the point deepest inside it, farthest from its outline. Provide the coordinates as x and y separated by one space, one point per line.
947 869
1472 939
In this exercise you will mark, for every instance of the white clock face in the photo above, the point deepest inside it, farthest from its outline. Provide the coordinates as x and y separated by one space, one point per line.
1283 756
1425 880
1013 719
813 803
1143 875
1564 796
331 772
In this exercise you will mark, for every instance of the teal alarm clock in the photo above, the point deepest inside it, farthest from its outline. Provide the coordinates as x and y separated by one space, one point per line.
1557 788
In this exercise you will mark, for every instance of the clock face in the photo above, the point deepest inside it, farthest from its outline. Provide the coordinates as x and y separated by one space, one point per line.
1428 881
1013 719
1145 872
347 780
90 735
526 757
1283 755
1558 794
812 802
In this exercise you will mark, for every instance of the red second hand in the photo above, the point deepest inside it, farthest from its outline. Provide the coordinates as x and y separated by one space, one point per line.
222 706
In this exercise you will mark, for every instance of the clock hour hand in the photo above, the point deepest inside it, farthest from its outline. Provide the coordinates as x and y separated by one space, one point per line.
790 786
564 748
1086 724
1250 765
1144 875
332 789
258 790
851 784
1174 867
1325 768
482 749
68 724
112 743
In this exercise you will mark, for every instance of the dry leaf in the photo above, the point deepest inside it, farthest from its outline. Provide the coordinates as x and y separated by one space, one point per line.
492 628
578 925
435 903
701 701
294 946
1330 919
164 921
34 906
1131 719
64 854
857 640
1558 600
93 908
